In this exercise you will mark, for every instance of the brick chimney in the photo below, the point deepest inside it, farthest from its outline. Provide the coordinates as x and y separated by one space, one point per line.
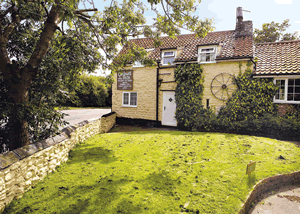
242 28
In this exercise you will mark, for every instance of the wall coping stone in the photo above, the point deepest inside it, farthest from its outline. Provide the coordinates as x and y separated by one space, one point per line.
266 185
108 114
11 157
8 159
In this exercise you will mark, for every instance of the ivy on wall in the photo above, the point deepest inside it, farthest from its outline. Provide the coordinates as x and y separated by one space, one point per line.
188 96
250 110
252 100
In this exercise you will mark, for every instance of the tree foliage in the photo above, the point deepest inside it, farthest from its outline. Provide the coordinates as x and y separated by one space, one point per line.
88 91
272 32
44 44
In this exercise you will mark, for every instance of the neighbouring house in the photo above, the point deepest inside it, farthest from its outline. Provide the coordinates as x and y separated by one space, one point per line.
148 93
281 62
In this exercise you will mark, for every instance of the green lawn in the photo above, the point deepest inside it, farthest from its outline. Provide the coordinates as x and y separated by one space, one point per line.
158 172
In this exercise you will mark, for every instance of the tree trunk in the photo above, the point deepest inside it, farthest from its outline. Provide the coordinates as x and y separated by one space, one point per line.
17 123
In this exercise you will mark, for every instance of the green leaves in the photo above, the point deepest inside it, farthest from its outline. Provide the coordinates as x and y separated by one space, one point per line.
253 98
190 113
272 32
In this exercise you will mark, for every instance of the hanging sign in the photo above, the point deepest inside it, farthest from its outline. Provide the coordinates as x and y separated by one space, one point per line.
125 80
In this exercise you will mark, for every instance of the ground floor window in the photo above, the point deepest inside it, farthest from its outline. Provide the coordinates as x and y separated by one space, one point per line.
288 91
130 99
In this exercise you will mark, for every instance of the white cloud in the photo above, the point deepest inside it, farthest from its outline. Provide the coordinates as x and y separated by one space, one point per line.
297 22
284 1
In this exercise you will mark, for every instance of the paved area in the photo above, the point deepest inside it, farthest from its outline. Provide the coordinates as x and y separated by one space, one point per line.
77 115
284 200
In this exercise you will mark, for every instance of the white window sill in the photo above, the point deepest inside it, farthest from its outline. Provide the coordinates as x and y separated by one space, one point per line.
212 62
138 66
286 102
167 64
129 106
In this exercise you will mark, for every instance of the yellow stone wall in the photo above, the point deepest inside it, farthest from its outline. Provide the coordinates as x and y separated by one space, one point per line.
144 83
210 70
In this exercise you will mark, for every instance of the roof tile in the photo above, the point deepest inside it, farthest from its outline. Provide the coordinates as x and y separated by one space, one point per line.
232 46
278 58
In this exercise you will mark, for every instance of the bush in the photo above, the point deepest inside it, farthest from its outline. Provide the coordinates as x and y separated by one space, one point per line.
89 91
250 110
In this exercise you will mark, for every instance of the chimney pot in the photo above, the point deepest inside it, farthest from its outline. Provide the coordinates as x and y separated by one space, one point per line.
239 14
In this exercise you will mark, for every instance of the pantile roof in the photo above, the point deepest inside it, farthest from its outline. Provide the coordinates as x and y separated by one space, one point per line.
232 46
278 58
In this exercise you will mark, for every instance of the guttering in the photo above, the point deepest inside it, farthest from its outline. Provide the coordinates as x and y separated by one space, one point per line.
232 59
282 75
157 93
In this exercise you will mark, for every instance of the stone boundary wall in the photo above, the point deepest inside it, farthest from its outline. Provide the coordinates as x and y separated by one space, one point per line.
24 167
266 185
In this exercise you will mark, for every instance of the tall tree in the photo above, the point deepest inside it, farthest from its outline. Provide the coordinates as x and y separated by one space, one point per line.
44 42
272 32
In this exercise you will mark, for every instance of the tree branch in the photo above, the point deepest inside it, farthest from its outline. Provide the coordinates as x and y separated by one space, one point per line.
85 10
50 26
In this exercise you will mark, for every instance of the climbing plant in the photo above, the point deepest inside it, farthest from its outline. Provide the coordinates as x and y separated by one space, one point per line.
252 100
188 95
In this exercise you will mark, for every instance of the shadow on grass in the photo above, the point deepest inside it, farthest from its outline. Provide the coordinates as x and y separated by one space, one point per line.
88 153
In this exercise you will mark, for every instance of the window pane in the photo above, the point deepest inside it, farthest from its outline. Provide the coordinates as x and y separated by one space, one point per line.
207 57
133 99
125 98
168 60
290 97
137 63
207 50
297 97
170 53
290 90
297 82
291 82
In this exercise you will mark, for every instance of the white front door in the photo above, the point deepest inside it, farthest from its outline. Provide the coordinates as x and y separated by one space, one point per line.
169 108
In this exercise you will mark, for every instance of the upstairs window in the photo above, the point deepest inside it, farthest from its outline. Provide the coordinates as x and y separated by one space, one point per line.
138 64
207 55
168 57
288 90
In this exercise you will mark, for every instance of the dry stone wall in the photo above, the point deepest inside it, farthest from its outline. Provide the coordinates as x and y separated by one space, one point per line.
22 168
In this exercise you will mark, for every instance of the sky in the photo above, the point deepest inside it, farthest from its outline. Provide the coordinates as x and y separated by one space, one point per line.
224 13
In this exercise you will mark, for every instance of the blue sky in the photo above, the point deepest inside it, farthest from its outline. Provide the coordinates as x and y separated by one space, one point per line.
224 12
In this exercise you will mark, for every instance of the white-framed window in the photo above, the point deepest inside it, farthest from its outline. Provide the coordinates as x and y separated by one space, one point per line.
168 57
288 91
129 99
207 54
137 64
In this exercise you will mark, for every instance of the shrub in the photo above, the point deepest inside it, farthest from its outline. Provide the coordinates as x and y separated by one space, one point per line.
89 91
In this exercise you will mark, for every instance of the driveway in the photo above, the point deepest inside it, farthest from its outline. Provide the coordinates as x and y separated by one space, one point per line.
77 115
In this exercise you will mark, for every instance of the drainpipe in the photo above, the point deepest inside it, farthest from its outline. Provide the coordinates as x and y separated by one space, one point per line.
157 93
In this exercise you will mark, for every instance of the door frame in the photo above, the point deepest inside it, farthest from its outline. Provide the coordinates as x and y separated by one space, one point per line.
163 122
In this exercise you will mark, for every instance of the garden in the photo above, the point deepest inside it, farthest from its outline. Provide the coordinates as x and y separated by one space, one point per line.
159 172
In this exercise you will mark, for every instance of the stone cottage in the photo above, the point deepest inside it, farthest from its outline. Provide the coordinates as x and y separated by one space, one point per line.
148 93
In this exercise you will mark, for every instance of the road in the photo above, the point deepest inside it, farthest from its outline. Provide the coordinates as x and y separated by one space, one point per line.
77 115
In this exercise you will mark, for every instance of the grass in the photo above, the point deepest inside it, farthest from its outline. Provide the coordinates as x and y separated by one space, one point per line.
71 108
158 172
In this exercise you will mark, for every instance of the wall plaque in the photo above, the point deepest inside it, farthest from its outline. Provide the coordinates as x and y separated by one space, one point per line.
125 80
